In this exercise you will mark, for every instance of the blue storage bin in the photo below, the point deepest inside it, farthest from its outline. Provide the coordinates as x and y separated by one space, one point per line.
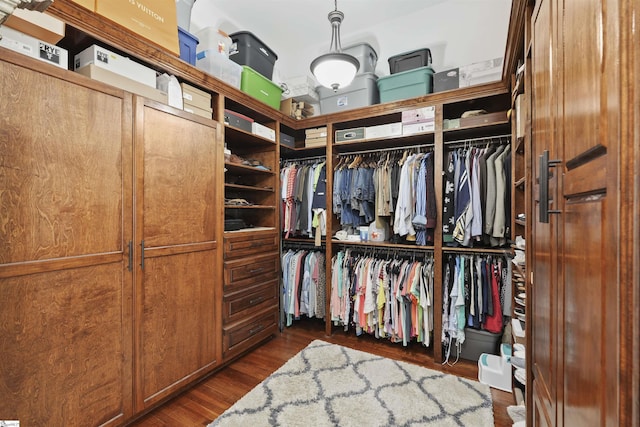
405 85
188 44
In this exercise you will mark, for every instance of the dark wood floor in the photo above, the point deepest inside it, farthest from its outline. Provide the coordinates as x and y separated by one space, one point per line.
201 404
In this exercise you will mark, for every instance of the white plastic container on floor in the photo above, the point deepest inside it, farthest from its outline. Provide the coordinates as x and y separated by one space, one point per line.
494 371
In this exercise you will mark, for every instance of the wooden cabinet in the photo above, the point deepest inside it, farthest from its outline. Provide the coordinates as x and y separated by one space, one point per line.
110 245
66 322
581 126
251 283
177 242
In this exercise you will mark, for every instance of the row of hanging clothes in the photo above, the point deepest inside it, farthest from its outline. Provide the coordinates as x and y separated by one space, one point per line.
394 188
477 193
476 293
387 295
303 196
303 283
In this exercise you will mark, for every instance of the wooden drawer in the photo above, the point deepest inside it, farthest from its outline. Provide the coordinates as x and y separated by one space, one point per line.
247 244
242 305
250 271
242 336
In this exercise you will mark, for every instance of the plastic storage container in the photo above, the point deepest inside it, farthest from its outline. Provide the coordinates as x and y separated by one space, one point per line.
183 13
249 50
260 87
219 66
407 84
212 38
365 54
188 46
477 342
363 91
410 60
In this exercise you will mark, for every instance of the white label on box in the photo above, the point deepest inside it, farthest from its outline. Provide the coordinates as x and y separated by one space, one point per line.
413 128
342 101
187 96
383 131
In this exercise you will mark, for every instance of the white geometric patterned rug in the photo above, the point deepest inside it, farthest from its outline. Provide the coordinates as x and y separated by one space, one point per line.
331 385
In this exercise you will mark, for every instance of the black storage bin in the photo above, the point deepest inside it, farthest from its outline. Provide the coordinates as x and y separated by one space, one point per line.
410 60
249 50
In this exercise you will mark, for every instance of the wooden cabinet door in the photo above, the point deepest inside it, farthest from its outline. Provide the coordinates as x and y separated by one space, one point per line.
177 332
65 212
544 290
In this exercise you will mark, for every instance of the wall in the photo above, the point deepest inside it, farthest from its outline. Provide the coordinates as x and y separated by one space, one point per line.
458 32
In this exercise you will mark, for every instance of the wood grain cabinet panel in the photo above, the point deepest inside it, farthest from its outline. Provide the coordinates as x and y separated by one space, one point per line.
250 271
247 244
242 336
65 212
241 305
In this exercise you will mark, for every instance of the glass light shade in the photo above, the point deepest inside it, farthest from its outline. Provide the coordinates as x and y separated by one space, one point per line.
335 70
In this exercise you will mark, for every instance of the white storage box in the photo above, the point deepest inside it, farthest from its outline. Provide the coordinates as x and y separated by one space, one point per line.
494 371
219 66
481 72
263 131
37 24
419 115
383 131
103 58
302 88
30 46
414 128
109 77
214 39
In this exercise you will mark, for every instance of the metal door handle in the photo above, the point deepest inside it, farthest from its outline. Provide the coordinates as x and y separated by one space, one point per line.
545 164
142 254
130 266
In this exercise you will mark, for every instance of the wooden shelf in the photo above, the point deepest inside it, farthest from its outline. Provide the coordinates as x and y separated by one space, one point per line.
519 145
519 183
249 207
521 222
385 245
502 250
248 188
245 138
238 168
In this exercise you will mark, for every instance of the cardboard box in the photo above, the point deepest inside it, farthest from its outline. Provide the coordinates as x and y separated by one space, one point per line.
419 115
316 132
34 48
349 135
316 142
202 112
37 24
483 119
196 97
446 80
450 124
238 120
106 59
105 76
414 128
383 131
287 140
263 131
155 20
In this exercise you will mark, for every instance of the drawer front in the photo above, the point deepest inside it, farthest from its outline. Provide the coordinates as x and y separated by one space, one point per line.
250 271
241 337
242 305
248 244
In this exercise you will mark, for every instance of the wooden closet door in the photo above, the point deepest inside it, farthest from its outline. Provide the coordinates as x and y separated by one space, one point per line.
177 334
591 347
65 220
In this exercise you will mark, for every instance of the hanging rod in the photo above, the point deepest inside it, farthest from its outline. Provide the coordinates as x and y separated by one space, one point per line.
299 159
408 147
487 139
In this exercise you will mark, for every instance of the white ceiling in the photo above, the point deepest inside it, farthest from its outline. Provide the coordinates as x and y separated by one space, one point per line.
458 32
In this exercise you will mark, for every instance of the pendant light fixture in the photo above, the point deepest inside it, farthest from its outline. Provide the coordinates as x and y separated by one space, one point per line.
335 69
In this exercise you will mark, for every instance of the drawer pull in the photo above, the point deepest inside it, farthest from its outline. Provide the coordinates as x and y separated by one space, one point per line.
256 329
256 300
256 270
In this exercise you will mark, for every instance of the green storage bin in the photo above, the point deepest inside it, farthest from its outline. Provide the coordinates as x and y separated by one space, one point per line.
407 84
260 87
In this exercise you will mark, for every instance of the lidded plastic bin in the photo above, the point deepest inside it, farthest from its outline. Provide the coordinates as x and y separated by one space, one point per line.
218 65
407 84
188 45
183 13
249 50
362 92
410 60
365 54
260 87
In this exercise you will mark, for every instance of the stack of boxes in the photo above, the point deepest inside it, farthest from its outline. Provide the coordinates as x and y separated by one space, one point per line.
411 76
419 120
296 109
196 101
316 137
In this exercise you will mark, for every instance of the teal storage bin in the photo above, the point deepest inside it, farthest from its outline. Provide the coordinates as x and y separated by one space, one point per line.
260 87
407 84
